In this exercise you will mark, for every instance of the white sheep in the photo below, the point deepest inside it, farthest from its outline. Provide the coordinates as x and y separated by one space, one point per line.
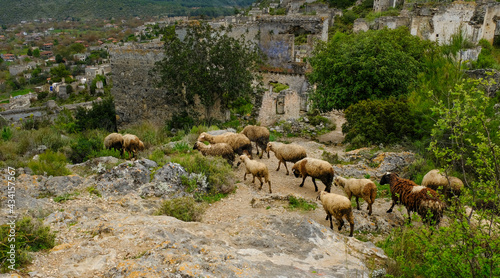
359 188
286 152
337 206
132 144
257 169
239 142
449 186
317 169
114 141
259 135
219 149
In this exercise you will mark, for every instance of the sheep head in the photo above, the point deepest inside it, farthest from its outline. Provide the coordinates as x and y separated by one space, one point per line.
243 158
386 178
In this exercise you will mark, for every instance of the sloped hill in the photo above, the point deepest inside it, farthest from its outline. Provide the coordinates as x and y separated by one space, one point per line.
16 11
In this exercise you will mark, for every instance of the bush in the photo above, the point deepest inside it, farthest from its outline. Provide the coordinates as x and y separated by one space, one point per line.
302 204
84 147
31 236
6 133
379 121
50 163
219 174
65 121
184 208
102 115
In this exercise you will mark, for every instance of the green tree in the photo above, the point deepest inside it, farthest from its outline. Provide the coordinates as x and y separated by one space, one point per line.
466 138
102 115
36 53
366 65
59 58
30 52
207 63
59 72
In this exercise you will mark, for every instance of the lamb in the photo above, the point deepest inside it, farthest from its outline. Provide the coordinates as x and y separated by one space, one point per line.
338 206
239 142
259 135
257 169
363 188
219 149
414 197
317 169
114 141
132 144
286 152
450 186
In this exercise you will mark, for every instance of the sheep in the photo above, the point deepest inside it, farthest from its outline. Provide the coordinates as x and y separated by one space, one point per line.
338 206
239 142
450 186
114 141
257 169
219 149
414 197
259 135
317 169
363 188
286 152
132 144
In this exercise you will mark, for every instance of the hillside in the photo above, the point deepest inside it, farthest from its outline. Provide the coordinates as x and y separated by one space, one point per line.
17 11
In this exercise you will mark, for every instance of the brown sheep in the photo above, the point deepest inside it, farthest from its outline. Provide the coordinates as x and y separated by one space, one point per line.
337 206
239 142
286 152
449 186
317 169
259 135
219 149
132 144
114 141
257 169
414 197
363 188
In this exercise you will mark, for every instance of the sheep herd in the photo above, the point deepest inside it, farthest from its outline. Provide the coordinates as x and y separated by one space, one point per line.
421 199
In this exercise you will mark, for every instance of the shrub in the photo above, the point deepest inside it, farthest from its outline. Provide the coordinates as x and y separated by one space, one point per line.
184 208
6 133
50 163
65 121
219 174
65 197
379 121
31 236
84 147
102 115
51 138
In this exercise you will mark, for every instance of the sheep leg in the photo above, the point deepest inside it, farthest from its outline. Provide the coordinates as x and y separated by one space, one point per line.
409 215
257 147
369 208
287 173
315 186
261 183
357 202
331 223
270 191
351 225
279 164
393 203
245 176
328 216
341 223
303 179
253 180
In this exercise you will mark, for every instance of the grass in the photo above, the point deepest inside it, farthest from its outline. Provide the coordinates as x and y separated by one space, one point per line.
31 236
66 197
184 208
383 191
93 191
295 203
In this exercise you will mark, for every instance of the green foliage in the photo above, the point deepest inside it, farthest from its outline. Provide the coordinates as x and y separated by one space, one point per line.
207 63
366 65
181 147
278 11
31 236
85 145
102 115
6 133
301 204
184 208
65 121
486 58
59 72
51 163
278 87
190 184
341 4
379 121
92 190
465 137
219 174
181 121
65 197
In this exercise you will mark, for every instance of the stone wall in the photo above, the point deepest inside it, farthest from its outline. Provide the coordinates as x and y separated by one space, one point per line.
280 106
50 111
